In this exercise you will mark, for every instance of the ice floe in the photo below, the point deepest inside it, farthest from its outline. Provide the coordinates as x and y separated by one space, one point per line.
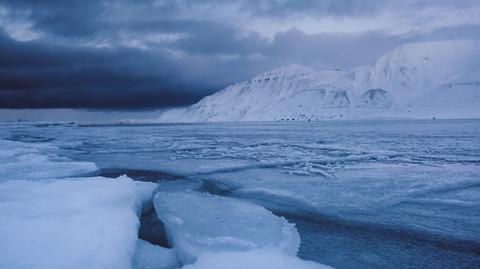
197 223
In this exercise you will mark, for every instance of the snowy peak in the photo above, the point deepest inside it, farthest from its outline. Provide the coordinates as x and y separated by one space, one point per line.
411 78
413 69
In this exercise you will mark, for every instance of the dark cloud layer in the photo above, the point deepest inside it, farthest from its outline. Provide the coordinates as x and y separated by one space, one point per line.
160 53
35 74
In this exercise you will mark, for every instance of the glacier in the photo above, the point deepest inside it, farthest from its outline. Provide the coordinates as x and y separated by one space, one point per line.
436 79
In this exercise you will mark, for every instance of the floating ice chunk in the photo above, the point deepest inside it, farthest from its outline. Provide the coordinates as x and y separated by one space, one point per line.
200 222
148 256
84 223
20 160
258 259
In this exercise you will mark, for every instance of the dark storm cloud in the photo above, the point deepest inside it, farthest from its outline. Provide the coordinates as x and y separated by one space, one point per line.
55 72
157 53
35 74
39 74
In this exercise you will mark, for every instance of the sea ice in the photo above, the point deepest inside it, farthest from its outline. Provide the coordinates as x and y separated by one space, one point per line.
373 199
363 194
19 160
197 223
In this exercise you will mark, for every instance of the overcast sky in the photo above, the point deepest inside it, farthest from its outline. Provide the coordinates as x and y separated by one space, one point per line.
160 53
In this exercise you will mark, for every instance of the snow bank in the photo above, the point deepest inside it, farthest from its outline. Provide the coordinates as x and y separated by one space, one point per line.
84 223
20 160
197 223
258 259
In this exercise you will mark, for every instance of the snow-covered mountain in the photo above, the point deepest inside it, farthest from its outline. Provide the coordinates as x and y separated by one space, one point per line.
417 80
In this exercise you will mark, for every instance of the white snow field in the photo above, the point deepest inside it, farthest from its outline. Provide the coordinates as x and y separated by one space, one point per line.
198 223
81 223
418 80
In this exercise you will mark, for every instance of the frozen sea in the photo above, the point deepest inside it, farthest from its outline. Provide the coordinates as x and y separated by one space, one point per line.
362 194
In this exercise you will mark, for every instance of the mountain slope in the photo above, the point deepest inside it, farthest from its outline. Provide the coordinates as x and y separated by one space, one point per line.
414 80
462 94
413 69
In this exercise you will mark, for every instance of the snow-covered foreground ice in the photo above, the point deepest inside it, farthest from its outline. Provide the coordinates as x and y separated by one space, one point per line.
82 223
362 194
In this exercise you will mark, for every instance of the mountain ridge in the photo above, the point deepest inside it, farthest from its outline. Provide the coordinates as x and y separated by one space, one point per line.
415 80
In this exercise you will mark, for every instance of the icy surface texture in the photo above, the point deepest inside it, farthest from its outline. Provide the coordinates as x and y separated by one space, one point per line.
83 223
258 259
197 223
363 194
19 160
